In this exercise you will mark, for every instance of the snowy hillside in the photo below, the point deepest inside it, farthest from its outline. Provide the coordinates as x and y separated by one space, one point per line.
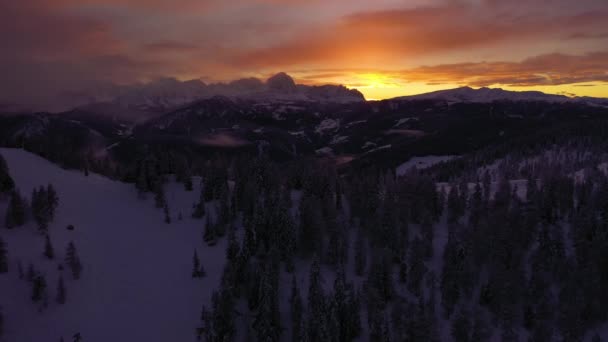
136 283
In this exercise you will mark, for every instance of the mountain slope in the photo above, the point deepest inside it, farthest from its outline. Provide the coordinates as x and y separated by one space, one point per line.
136 283
486 95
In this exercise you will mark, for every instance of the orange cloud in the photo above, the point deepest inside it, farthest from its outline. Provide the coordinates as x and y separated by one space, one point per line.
393 35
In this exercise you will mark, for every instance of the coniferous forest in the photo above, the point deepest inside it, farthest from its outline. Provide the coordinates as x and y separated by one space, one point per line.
509 243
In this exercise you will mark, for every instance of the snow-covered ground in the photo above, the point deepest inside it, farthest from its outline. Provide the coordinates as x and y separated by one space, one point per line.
136 283
421 163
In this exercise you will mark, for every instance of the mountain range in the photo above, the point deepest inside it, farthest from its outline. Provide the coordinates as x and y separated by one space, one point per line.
285 121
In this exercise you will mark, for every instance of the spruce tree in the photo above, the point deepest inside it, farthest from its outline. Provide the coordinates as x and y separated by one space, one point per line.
31 273
159 195
296 311
73 261
267 323
209 232
20 271
39 288
233 249
199 208
196 266
61 296
41 208
15 213
167 214
6 181
52 201
360 254
3 257
317 311
49 252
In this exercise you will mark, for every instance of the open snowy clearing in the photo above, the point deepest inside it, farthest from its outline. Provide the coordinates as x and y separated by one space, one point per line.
136 283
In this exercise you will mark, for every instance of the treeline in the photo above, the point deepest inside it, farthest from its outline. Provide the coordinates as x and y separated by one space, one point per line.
405 253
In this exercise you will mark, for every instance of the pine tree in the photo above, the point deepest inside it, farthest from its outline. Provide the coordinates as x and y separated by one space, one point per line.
3 257
38 288
31 273
296 311
461 328
403 272
209 232
41 208
61 296
188 186
167 214
206 329
73 261
199 208
223 316
52 201
233 249
267 322
15 213
317 314
49 252
196 266
159 195
20 270
6 182
360 255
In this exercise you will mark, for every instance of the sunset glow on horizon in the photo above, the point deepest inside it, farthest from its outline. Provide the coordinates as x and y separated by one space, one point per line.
384 48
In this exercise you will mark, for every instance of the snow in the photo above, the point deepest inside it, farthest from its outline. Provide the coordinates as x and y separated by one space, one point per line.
368 144
338 139
383 147
325 151
421 163
327 125
136 283
404 120
350 124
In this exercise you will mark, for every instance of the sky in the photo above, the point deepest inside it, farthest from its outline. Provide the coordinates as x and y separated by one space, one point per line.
384 48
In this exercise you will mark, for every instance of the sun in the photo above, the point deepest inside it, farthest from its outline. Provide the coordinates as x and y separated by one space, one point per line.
375 80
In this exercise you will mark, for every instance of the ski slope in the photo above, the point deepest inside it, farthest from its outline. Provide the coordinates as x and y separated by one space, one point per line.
136 283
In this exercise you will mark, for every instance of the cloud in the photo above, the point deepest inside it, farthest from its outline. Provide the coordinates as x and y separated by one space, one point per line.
54 46
392 35
542 70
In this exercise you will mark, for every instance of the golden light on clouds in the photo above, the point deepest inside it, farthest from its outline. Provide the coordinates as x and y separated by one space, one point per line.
384 48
